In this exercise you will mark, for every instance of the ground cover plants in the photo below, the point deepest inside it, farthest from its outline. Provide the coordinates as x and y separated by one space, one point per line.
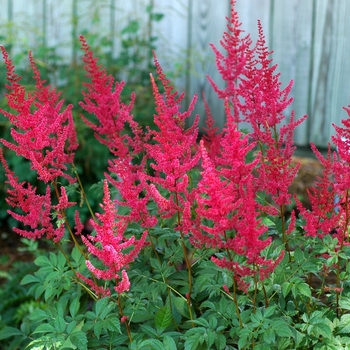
193 247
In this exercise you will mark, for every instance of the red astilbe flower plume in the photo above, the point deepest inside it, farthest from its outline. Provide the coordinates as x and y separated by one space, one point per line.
170 149
330 207
227 215
232 66
262 104
322 219
37 208
46 137
42 134
103 100
115 251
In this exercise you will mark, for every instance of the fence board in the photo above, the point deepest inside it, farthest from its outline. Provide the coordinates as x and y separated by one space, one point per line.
309 38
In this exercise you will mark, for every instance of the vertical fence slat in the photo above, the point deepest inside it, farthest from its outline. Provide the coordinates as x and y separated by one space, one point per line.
309 38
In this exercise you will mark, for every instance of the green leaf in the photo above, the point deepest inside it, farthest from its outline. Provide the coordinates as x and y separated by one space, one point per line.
98 328
79 339
74 307
281 328
163 319
181 306
42 260
344 324
149 330
220 342
304 289
101 305
267 222
113 323
61 261
60 324
45 328
169 343
29 279
151 344
286 288
39 315
299 255
8 332
269 311
269 336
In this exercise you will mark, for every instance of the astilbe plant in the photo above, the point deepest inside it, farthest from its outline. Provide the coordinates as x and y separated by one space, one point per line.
193 248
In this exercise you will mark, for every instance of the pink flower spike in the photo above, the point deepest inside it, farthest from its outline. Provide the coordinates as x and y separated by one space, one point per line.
112 245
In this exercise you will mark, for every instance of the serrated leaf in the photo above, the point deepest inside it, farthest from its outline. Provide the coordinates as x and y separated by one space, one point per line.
80 340
42 261
53 259
267 222
304 289
320 329
169 343
201 321
344 304
192 343
60 324
286 288
113 323
49 291
163 319
213 322
38 315
269 336
151 344
29 279
101 305
98 329
281 329
8 332
149 330
71 326
210 338
74 307
181 306
299 255
61 261
76 255
68 344
45 328
220 342
344 324
269 311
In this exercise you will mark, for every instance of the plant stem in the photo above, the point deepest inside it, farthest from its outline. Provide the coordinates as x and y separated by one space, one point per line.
188 265
126 323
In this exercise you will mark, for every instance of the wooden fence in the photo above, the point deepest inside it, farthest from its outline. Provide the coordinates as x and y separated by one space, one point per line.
310 39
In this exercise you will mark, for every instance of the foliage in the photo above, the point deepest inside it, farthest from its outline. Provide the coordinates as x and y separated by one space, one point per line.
136 41
182 255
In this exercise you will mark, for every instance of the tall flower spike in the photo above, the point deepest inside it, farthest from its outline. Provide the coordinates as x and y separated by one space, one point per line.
232 66
36 208
263 104
110 237
170 152
103 100
323 217
42 134
46 137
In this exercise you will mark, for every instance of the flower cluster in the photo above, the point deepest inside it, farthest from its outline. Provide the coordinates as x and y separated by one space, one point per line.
46 137
116 251
170 150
